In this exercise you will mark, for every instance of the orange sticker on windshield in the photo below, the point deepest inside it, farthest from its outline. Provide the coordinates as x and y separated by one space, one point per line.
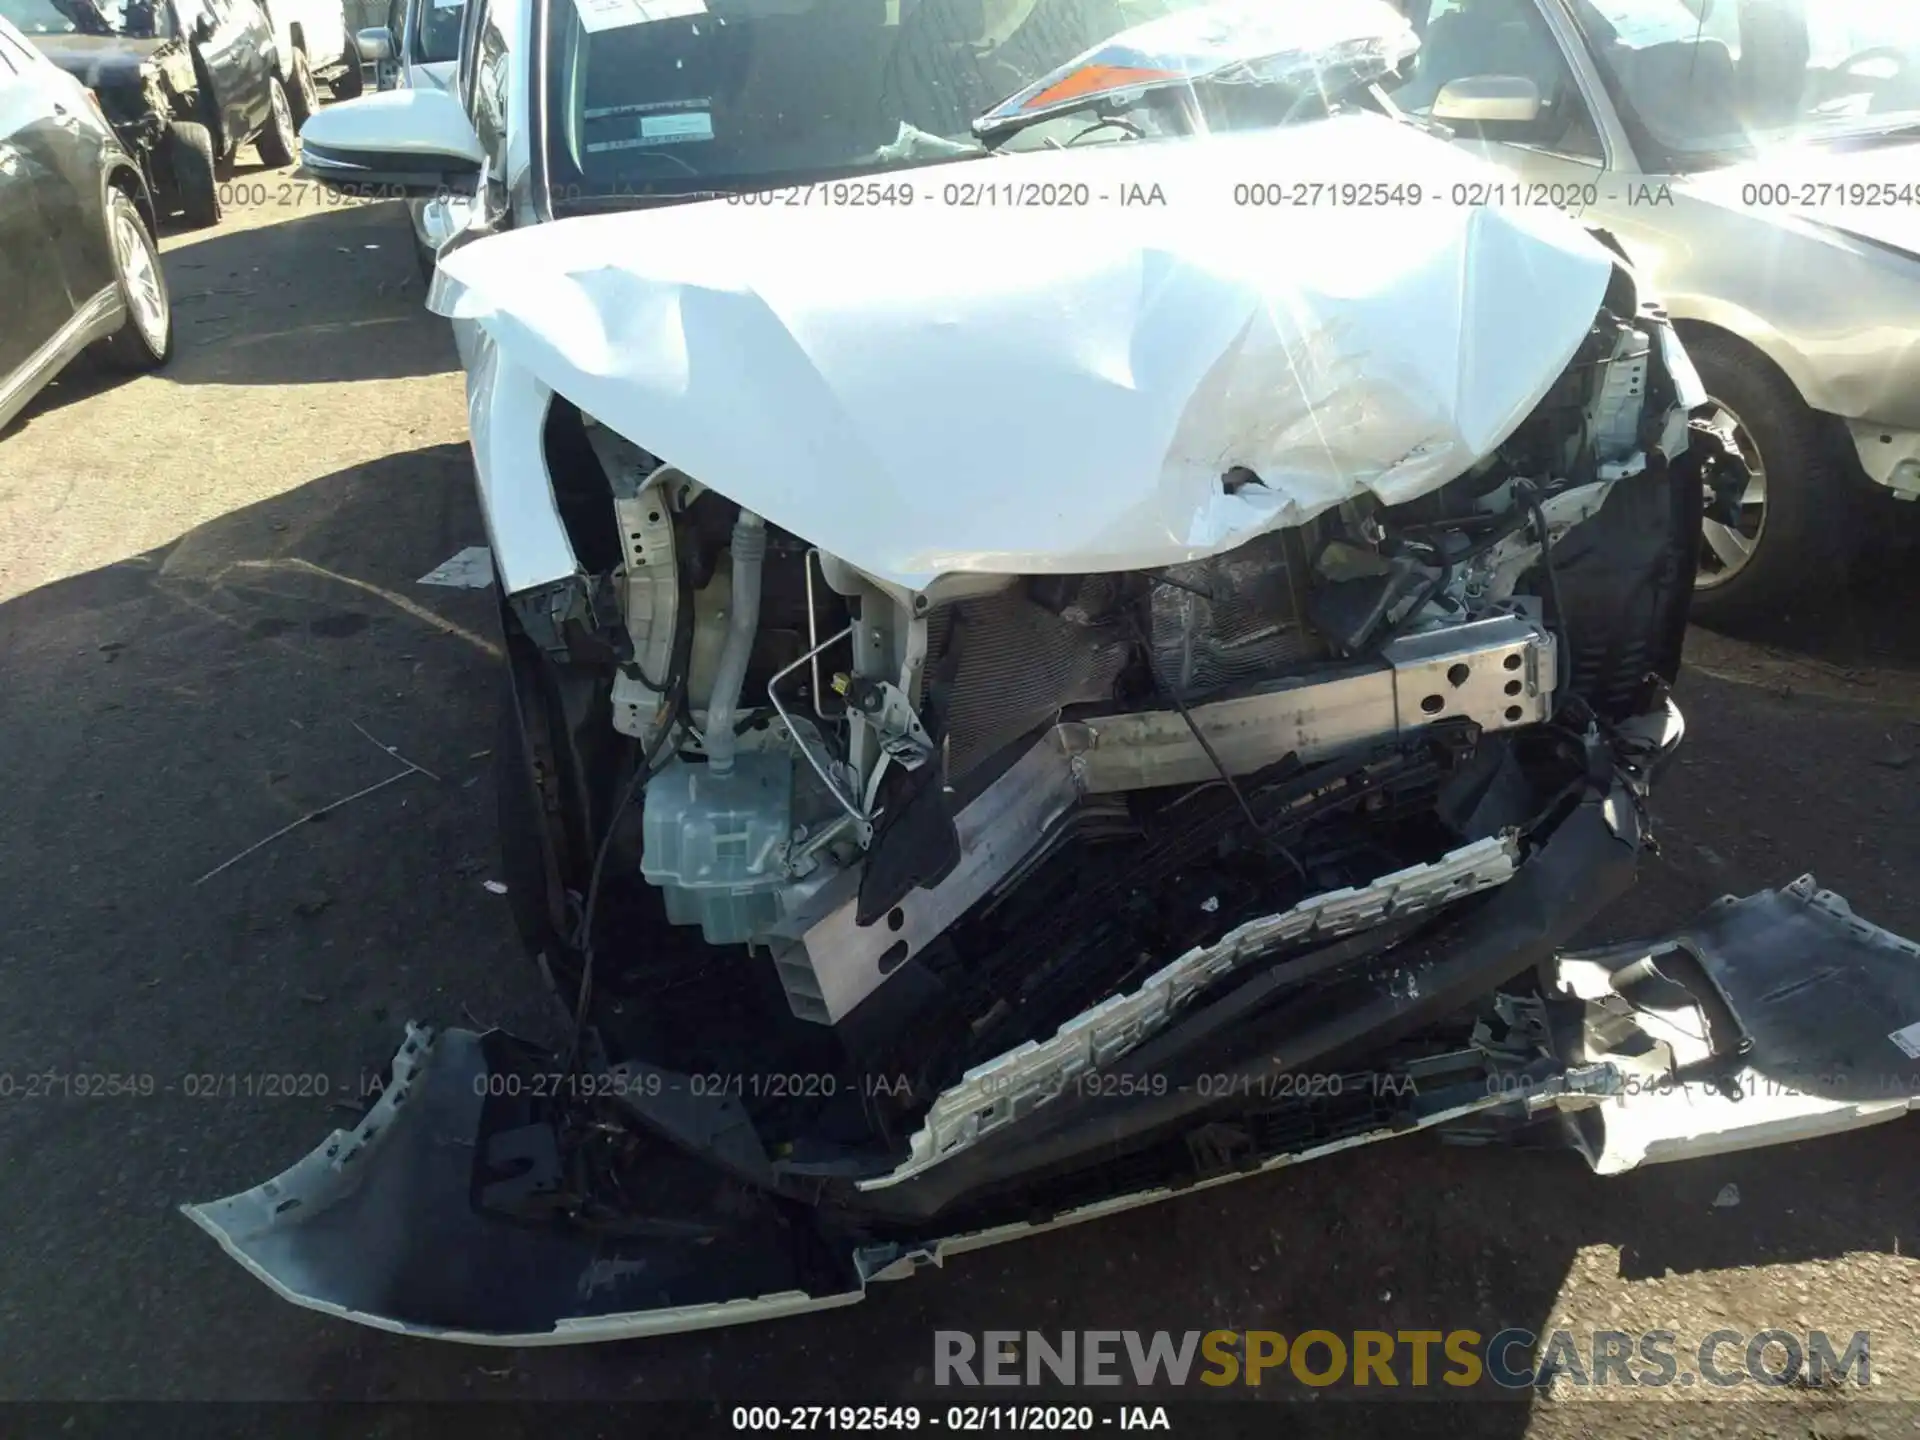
1095 78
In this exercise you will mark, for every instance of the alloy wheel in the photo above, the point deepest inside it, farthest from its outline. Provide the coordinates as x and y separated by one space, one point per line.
140 276
1726 549
282 116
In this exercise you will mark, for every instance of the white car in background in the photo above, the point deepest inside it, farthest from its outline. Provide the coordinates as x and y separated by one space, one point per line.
314 43
418 48
1759 160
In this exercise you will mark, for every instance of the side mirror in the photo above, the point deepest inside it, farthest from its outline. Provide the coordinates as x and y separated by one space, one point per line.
396 142
1488 99
202 27
375 45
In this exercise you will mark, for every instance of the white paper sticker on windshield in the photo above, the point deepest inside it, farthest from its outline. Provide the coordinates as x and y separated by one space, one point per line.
597 15
1908 1039
658 130
1643 23
695 125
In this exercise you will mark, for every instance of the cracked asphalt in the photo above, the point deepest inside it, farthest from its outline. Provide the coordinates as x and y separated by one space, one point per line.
210 625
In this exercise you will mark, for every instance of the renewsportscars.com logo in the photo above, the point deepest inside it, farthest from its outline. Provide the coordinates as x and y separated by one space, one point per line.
1512 1359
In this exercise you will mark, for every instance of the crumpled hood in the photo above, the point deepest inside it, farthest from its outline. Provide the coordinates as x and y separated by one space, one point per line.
1029 388
1858 191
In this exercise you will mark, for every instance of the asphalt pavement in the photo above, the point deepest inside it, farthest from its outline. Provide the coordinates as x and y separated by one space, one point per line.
210 624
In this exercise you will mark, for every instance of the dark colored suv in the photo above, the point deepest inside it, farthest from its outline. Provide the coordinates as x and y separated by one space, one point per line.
184 82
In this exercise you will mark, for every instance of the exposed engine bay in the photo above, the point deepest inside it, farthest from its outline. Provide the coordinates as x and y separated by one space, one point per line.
861 830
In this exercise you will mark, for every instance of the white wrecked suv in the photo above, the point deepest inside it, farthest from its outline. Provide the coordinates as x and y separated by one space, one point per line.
1076 629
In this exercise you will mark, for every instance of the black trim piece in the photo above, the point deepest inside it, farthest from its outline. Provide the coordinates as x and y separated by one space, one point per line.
1582 868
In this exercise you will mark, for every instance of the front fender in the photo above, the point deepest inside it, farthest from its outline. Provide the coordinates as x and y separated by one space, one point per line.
506 417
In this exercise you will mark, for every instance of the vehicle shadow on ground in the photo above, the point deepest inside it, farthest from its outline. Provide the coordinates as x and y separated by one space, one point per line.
166 712
246 298
1870 623
160 715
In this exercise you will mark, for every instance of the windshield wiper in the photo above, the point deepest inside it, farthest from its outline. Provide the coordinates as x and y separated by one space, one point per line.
992 130
1870 131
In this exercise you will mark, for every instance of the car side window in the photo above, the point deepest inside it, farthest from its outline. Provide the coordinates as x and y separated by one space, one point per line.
437 26
470 20
1463 40
487 98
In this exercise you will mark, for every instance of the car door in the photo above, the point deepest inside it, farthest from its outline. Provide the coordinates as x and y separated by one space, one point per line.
73 144
481 81
216 68
389 74
1472 52
33 295
233 46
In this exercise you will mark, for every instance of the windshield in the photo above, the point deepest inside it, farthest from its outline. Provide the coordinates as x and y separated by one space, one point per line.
44 17
1708 78
664 96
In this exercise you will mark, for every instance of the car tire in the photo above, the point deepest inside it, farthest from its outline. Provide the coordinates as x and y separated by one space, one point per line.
349 83
145 341
276 143
1791 557
195 177
303 96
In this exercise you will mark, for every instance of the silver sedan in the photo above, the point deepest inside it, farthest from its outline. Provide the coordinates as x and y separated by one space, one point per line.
1759 161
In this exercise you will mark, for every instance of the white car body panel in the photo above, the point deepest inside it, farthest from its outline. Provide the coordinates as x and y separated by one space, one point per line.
506 408
1829 294
431 75
1829 291
322 26
1111 367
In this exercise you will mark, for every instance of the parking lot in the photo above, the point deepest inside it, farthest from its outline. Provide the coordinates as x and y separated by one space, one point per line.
211 624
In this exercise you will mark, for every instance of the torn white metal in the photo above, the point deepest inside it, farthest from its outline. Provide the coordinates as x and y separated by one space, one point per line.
838 370
1007 1089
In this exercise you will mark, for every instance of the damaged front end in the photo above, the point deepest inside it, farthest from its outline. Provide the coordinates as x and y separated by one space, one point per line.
931 847
143 85
462 1208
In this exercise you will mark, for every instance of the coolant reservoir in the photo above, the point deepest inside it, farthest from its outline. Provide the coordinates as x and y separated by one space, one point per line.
715 844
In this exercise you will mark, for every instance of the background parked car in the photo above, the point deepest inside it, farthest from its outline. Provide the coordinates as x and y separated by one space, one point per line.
78 264
140 63
418 48
314 42
186 83
1760 162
